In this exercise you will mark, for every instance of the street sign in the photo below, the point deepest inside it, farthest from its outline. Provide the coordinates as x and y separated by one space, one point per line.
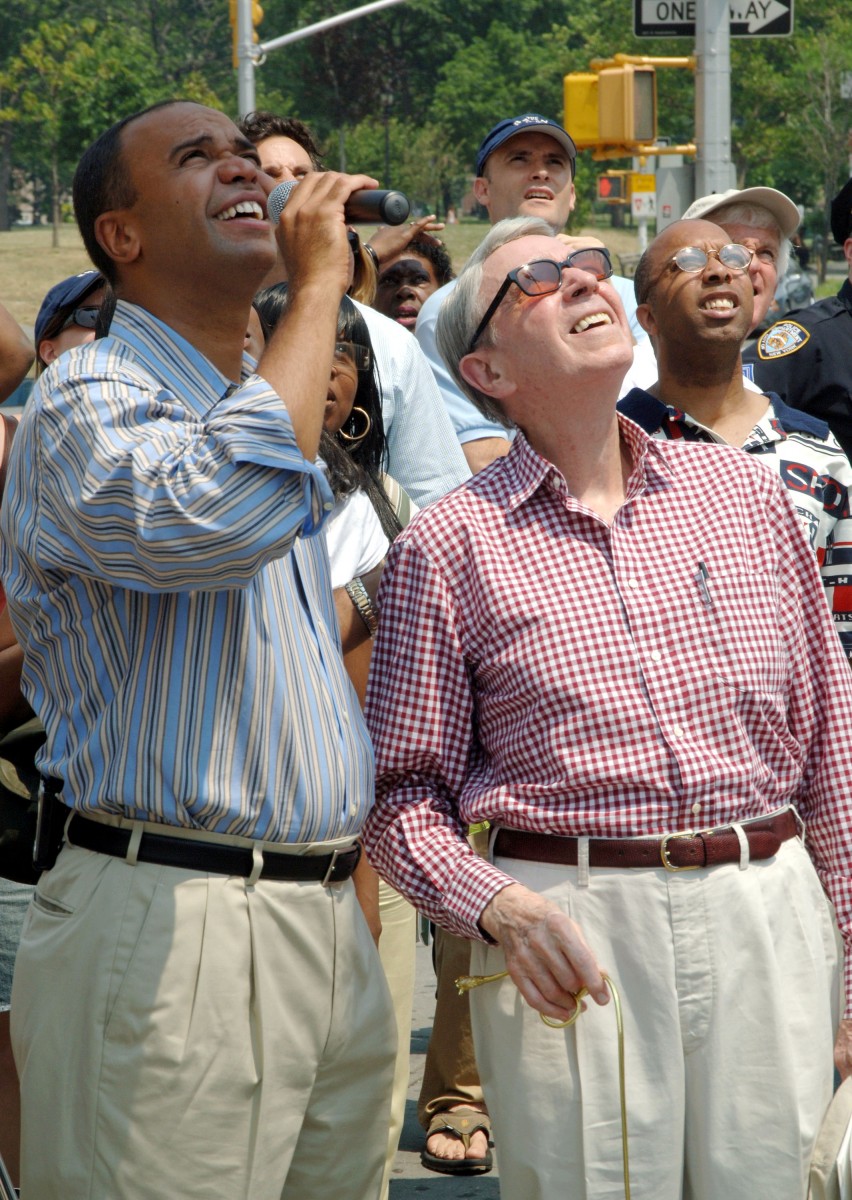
640 182
676 18
644 204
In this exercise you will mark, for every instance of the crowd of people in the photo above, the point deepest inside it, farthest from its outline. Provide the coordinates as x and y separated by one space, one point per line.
339 589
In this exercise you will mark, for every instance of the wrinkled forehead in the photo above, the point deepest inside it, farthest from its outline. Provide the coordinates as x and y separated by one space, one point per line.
688 233
160 134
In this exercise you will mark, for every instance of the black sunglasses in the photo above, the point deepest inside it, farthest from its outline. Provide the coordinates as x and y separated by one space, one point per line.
543 277
86 317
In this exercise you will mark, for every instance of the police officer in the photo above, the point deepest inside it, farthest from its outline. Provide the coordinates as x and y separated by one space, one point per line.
807 356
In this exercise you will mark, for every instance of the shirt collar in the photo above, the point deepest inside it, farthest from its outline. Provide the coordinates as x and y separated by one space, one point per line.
169 357
650 414
526 470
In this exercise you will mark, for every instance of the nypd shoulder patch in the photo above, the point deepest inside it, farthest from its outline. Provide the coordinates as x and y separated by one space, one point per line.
785 337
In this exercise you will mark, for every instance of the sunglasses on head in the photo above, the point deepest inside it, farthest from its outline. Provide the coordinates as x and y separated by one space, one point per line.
544 276
86 316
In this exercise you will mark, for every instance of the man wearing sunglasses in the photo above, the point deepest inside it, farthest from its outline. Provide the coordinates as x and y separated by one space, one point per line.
524 168
695 299
620 657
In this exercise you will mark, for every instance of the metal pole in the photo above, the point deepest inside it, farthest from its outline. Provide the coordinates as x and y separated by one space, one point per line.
714 170
328 23
245 59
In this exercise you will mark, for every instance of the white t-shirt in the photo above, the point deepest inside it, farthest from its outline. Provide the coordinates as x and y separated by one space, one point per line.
356 540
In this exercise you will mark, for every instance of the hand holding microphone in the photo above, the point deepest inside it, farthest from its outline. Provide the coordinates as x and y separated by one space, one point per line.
372 205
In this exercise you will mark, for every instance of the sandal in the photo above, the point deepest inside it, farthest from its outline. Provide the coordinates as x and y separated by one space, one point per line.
463 1124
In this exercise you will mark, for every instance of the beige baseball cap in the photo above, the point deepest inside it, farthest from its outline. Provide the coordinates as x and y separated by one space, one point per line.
782 207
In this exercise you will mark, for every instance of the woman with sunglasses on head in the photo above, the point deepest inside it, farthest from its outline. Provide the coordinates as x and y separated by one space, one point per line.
371 510
68 316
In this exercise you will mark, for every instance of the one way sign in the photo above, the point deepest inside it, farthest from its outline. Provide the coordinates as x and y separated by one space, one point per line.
676 18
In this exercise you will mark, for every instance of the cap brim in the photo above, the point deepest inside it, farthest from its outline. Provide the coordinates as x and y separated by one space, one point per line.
782 207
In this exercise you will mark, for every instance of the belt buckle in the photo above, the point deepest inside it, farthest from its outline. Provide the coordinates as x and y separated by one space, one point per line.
664 850
332 863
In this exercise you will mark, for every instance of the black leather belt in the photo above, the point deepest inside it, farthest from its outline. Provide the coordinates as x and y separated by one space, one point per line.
197 855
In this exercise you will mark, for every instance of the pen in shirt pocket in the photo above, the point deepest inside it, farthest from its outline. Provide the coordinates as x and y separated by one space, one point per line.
702 580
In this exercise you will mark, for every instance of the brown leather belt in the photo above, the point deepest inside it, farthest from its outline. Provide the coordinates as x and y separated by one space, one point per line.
685 851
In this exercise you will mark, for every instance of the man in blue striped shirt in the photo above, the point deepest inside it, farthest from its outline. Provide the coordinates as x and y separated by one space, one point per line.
198 1007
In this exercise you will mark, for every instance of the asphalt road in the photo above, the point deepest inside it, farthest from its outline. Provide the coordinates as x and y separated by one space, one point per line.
409 1179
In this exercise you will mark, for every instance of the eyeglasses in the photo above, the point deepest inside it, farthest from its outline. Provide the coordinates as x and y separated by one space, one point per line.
543 277
349 354
86 317
693 259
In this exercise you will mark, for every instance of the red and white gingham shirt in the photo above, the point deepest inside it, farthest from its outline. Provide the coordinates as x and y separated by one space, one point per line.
542 670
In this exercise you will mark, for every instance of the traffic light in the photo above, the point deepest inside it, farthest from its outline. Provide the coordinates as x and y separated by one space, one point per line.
580 93
616 106
256 18
627 105
235 37
613 187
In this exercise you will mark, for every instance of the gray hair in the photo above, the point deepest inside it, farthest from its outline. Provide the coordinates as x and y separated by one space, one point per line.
761 218
463 309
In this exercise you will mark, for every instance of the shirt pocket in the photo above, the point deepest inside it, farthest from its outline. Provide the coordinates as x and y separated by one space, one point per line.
741 622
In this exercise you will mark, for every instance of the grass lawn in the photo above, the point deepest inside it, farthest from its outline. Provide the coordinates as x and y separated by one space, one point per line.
29 265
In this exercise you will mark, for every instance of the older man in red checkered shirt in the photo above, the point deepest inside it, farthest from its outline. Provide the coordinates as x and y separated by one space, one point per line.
595 644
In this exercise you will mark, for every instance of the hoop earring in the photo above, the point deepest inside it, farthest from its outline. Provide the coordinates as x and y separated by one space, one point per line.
354 436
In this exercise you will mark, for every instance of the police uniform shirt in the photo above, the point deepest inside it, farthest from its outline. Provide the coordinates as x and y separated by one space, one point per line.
807 359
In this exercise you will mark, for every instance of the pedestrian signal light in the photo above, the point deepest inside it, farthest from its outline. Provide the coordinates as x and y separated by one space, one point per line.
580 94
611 187
627 105
256 18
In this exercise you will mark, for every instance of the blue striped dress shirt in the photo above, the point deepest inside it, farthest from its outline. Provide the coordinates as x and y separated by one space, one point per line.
168 578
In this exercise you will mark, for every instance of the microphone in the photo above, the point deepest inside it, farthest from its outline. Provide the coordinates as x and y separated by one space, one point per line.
370 205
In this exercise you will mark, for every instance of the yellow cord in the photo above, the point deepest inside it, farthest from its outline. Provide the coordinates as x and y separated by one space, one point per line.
464 983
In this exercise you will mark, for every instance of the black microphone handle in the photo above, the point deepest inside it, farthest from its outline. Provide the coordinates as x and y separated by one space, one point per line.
369 205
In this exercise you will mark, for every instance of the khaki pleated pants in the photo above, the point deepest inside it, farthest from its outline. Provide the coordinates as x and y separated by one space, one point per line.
728 979
188 1035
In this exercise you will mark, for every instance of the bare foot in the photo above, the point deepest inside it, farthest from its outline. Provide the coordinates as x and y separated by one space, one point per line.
445 1144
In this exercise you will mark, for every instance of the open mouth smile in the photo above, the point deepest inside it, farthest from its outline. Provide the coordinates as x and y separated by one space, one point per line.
591 321
244 208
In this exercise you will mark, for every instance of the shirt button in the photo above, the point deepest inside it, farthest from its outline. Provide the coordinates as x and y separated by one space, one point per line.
633 583
696 809
326 506
677 731
656 656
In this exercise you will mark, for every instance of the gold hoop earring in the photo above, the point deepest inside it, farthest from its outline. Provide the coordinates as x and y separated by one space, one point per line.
354 436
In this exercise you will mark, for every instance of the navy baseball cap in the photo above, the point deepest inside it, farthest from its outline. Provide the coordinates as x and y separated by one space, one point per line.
525 123
841 214
65 294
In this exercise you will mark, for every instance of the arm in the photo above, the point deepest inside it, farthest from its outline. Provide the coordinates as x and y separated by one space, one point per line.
14 709
420 713
16 354
819 717
312 238
390 240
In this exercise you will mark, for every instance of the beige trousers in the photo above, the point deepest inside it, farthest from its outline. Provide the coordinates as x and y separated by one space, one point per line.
190 1035
396 950
728 979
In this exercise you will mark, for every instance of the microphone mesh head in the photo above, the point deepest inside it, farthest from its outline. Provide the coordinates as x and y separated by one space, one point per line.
277 199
